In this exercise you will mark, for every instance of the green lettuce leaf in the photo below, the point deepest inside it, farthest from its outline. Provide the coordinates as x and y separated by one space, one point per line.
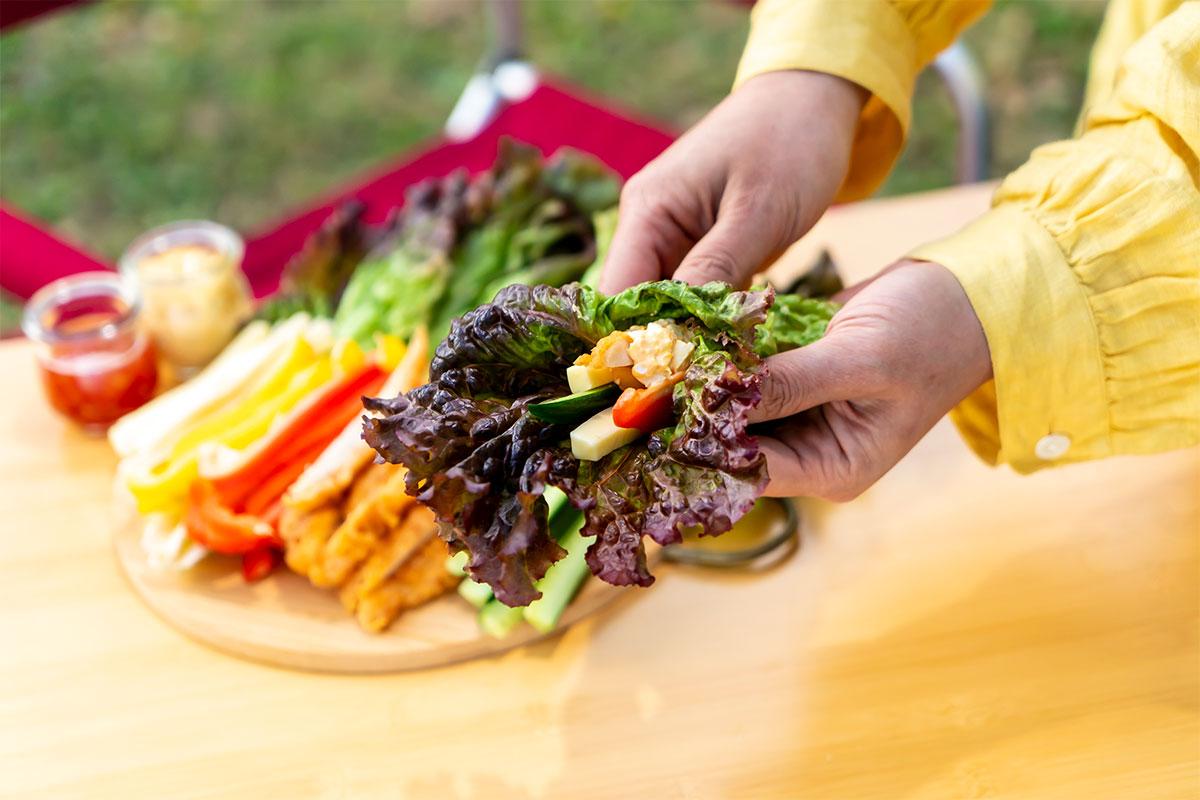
794 321
313 280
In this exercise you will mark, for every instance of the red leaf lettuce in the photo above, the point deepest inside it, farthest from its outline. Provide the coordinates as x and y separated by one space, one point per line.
481 463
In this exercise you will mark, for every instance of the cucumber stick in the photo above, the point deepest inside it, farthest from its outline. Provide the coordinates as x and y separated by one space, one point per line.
497 619
456 564
575 408
556 500
562 580
475 593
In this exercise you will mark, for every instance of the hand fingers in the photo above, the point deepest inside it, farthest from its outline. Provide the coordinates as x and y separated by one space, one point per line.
631 256
806 377
791 475
647 245
806 459
732 251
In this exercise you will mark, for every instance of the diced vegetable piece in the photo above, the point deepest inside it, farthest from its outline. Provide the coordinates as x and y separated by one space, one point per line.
477 594
562 580
575 407
646 410
498 620
581 377
456 564
599 436
681 353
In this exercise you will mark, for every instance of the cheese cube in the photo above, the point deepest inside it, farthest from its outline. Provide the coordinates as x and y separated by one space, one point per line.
599 436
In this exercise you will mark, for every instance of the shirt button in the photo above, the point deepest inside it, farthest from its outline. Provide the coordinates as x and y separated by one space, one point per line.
1052 446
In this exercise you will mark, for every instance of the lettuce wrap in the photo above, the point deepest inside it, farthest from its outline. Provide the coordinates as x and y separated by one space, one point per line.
481 461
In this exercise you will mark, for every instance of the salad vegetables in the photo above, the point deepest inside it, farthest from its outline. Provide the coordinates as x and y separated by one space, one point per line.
517 403
260 456
553 430
453 245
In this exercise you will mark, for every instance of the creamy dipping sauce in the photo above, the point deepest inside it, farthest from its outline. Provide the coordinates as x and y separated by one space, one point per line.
194 292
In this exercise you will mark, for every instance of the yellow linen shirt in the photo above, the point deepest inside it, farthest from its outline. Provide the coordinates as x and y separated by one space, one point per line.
1086 273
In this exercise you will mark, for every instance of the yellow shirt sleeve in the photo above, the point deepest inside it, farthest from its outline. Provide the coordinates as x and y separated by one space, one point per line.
879 44
1086 274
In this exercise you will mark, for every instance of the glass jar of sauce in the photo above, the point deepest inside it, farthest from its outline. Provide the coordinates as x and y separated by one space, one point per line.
196 297
97 363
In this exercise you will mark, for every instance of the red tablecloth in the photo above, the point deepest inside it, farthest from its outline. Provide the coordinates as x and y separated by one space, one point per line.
553 116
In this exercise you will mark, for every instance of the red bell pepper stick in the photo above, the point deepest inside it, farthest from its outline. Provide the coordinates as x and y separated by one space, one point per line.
646 410
216 527
259 461
330 424
260 498
290 461
258 563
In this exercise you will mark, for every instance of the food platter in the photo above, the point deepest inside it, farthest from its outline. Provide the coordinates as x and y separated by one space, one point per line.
285 622
299 448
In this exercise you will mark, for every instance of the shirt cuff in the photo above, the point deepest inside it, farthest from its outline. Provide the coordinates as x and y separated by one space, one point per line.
1047 401
866 42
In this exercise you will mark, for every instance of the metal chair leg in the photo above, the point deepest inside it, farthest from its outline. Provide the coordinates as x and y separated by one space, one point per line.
964 81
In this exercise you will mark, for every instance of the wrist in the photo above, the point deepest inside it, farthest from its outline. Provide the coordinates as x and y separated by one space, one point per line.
835 99
963 339
805 124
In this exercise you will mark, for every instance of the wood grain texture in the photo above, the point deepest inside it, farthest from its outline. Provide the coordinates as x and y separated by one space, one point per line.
286 622
957 632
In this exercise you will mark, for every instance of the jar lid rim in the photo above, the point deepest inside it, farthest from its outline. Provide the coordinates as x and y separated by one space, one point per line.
98 283
175 234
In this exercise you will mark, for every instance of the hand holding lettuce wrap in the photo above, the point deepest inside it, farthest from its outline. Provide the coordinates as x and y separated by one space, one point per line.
904 349
481 460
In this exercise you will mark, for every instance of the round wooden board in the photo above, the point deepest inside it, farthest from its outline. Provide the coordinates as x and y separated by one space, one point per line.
287 622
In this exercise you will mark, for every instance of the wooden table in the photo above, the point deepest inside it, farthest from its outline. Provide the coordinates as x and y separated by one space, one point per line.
956 632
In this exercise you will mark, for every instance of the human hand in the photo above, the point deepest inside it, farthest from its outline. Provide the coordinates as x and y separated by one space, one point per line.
904 349
741 186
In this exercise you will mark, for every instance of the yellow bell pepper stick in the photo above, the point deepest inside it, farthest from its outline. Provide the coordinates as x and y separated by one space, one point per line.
164 487
347 356
389 350
299 356
249 430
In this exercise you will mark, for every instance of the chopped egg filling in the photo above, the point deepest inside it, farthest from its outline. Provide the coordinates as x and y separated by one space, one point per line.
658 352
643 356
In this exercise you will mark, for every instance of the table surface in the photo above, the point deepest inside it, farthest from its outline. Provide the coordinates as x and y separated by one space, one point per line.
957 631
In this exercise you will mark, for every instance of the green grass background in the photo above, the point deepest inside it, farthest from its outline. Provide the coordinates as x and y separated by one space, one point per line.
120 115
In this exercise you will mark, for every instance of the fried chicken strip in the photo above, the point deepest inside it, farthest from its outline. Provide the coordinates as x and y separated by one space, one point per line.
419 580
327 478
401 544
367 523
370 480
305 534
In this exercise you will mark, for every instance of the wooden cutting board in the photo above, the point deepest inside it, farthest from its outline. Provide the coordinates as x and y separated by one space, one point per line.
285 621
